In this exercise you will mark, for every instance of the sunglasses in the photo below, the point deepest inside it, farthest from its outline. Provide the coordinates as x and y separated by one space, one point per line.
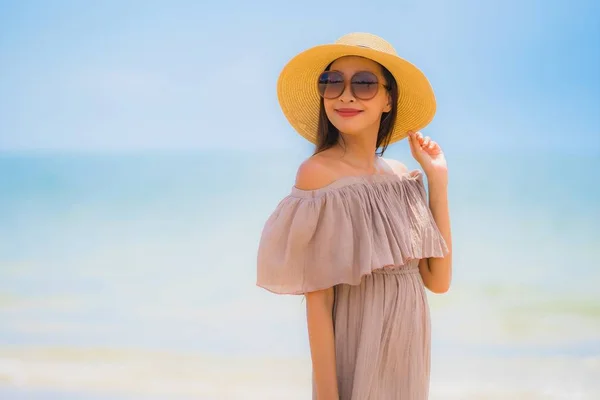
364 85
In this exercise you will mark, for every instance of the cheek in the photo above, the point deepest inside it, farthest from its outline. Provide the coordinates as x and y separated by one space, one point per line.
372 116
329 109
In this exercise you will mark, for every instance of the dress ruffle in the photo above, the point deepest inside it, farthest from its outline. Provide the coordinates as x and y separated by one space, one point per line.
316 239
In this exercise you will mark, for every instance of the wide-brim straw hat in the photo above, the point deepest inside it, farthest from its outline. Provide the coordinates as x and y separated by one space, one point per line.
299 97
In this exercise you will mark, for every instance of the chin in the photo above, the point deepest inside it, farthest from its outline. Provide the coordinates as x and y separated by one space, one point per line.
348 126
350 131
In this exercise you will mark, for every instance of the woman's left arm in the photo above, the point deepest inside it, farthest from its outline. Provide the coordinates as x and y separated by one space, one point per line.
435 271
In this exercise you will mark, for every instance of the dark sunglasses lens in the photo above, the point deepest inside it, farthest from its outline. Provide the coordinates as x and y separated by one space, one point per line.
365 85
331 84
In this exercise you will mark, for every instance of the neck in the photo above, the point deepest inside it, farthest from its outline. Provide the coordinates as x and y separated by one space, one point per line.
358 150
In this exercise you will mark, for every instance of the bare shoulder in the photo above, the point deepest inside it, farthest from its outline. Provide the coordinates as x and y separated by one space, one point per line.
314 173
396 166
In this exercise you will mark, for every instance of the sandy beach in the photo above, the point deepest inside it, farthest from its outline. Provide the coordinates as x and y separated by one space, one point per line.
53 373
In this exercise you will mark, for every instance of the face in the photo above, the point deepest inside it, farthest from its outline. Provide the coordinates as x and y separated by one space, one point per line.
356 113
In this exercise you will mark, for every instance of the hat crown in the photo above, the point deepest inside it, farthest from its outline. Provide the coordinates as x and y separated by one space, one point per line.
368 40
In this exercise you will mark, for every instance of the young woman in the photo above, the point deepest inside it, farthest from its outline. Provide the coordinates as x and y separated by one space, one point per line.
357 235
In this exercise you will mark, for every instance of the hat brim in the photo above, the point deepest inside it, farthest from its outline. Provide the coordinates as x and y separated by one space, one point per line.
299 98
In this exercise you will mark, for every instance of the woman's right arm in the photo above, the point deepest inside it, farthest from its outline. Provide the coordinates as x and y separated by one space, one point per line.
312 174
319 316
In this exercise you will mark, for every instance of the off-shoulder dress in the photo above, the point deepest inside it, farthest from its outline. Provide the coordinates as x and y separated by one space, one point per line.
363 236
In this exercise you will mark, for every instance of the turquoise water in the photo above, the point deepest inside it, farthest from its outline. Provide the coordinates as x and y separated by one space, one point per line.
155 252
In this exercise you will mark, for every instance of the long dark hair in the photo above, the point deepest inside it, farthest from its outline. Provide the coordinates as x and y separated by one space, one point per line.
328 135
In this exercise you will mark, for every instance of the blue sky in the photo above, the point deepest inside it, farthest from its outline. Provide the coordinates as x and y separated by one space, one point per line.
108 75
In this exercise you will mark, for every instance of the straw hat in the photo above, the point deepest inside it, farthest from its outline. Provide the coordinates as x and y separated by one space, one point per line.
299 98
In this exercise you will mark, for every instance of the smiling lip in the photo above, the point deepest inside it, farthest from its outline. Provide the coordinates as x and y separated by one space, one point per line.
348 112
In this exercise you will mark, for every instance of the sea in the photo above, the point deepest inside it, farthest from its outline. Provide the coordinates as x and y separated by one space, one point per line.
131 275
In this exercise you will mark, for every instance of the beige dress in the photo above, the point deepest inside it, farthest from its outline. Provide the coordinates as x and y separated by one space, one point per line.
364 236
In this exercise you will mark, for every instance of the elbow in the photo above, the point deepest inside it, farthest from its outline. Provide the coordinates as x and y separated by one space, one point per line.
440 276
439 288
439 284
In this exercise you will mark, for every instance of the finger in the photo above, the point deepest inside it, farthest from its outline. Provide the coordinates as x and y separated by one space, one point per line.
411 141
426 142
419 137
431 145
414 146
435 149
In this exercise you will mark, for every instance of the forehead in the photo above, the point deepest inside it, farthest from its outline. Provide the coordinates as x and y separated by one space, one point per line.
350 64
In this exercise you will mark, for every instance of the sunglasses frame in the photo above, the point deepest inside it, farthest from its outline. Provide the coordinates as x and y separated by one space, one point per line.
345 82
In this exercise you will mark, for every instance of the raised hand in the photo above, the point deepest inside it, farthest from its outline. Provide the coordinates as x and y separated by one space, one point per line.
429 155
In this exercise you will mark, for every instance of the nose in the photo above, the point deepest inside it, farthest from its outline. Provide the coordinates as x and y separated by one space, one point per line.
347 96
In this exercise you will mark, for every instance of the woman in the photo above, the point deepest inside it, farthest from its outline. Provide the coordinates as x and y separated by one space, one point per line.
357 235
